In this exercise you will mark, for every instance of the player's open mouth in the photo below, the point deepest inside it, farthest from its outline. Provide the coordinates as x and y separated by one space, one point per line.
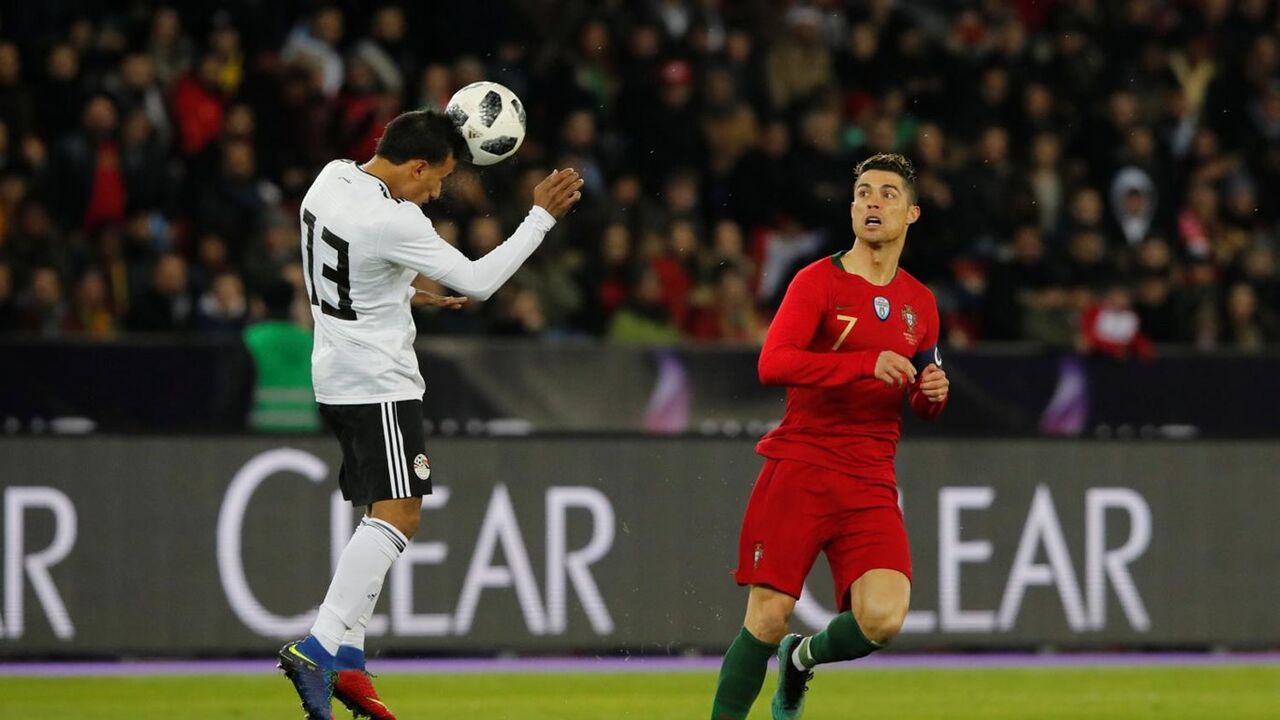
872 221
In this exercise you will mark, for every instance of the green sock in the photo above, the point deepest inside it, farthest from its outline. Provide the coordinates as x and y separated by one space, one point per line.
842 640
741 676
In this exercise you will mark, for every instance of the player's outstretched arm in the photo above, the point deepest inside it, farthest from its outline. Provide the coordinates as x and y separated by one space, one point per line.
413 243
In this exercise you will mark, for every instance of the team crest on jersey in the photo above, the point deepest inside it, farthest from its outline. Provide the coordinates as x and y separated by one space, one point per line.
882 307
909 317
421 467
757 555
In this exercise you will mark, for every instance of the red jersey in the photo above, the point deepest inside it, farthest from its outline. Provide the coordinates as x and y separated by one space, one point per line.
823 345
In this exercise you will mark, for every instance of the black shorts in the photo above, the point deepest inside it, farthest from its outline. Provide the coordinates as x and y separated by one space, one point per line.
383 450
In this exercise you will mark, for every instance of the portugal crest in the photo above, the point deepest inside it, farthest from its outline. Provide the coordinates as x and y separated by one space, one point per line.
882 307
909 317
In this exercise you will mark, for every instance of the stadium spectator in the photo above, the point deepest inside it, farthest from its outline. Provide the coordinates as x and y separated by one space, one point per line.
1154 298
314 43
223 308
605 280
1109 326
387 51
136 89
91 314
42 311
198 106
166 306
281 352
16 107
1247 326
62 92
520 313
172 52
644 319
731 314
92 180
799 66
234 203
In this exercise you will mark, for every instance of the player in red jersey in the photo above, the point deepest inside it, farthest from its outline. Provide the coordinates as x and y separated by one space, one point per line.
854 334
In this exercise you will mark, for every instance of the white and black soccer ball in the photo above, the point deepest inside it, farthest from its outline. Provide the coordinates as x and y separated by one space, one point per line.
491 119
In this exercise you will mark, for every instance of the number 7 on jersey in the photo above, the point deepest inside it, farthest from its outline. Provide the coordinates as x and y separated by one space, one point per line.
849 319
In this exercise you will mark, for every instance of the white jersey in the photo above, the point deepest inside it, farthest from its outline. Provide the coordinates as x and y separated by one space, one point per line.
361 250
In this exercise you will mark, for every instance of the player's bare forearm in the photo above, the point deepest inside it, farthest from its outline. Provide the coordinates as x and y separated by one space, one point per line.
425 292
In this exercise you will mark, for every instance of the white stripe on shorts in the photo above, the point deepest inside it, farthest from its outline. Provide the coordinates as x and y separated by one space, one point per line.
403 462
388 445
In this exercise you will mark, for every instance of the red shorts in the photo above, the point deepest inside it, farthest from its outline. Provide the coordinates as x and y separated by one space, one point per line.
798 509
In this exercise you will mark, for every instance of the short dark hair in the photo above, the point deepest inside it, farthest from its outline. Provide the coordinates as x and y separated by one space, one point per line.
895 163
422 135
277 298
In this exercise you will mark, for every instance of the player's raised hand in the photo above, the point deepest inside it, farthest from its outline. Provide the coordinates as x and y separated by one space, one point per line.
934 383
426 297
558 192
894 369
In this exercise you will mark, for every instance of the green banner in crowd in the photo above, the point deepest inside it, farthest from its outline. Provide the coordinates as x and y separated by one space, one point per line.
208 546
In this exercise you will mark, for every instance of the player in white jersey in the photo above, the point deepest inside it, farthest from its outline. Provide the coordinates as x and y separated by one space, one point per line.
365 241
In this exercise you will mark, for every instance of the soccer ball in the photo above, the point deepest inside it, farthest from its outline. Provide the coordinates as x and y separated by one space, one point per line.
491 119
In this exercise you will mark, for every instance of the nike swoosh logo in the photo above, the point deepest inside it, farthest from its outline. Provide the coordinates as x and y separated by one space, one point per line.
372 700
293 649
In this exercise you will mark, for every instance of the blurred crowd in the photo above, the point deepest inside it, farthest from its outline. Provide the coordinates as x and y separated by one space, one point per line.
1096 174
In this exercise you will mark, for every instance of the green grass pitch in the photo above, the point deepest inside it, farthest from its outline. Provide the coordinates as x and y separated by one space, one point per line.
1168 693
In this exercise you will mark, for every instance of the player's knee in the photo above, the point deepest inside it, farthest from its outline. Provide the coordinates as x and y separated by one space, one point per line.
769 628
405 516
881 622
768 622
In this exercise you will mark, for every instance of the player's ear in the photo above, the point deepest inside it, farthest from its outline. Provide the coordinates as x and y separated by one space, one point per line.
913 214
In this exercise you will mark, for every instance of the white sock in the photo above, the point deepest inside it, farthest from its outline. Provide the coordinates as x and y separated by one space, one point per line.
355 634
357 581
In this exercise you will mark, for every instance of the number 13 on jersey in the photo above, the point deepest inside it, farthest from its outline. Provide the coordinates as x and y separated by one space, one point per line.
339 275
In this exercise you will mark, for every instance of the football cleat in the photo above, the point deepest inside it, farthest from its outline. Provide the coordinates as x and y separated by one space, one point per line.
793 683
354 688
312 680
